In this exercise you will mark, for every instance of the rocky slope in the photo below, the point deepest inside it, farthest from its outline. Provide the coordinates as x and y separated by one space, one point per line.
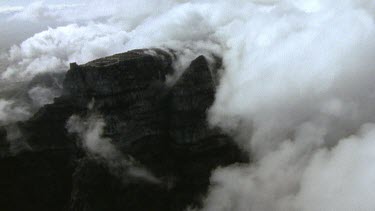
163 128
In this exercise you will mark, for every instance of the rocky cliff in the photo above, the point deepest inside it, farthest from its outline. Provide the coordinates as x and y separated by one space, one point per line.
160 127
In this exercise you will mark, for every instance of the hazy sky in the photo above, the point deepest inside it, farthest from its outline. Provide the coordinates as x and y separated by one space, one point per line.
15 28
25 2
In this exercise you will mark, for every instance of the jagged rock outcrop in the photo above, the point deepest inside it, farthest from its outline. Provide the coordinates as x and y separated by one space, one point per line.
163 127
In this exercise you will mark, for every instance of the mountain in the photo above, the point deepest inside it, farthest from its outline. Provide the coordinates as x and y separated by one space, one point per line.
153 126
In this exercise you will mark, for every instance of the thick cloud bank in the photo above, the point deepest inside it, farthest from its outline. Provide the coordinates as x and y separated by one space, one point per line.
297 90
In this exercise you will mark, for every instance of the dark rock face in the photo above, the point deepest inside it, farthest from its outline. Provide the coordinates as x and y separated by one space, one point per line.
190 97
163 127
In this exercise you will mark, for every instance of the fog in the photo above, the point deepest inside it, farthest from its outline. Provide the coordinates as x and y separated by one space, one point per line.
296 91
90 132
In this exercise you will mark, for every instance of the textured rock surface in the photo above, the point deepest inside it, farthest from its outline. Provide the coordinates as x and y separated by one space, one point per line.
162 127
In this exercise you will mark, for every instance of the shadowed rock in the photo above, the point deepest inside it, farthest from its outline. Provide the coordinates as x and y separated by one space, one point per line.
163 128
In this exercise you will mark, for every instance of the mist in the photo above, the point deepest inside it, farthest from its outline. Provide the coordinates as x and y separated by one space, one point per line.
296 91
90 132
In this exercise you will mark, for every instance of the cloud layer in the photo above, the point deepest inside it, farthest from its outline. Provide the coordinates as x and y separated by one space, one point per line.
296 92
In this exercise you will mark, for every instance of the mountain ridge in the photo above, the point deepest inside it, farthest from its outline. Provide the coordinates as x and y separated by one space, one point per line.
163 127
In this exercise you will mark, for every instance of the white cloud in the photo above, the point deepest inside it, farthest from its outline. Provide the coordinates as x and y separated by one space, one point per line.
90 131
298 81
10 112
10 9
41 11
53 49
42 95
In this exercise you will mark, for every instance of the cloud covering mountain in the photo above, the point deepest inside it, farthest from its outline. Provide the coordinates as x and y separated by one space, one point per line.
296 91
